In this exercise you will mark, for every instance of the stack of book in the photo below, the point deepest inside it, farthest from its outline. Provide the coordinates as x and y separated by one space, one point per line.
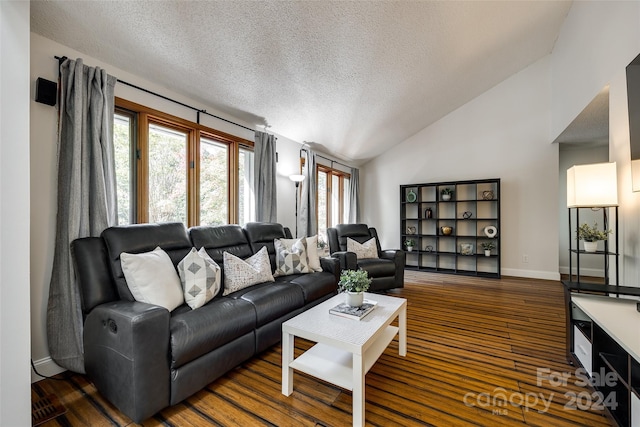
350 312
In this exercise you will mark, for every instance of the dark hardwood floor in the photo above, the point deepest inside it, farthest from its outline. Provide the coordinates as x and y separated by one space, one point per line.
476 352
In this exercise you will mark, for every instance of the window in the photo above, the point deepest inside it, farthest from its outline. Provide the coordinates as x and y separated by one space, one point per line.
170 169
333 198
167 174
214 183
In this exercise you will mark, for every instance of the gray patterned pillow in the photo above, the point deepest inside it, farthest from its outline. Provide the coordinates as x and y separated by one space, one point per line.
240 274
200 278
312 251
291 259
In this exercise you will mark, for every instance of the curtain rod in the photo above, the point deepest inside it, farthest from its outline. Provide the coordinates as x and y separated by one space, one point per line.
199 111
326 158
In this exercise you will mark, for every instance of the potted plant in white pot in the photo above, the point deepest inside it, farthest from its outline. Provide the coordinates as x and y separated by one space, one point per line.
487 246
354 283
409 243
591 236
446 193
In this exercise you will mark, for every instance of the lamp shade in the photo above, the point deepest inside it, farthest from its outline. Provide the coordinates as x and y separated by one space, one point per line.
594 185
296 178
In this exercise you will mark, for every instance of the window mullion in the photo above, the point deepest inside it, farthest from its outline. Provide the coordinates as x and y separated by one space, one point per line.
143 169
233 179
193 178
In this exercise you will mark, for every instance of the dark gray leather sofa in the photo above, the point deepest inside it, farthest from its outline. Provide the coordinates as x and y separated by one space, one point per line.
386 271
142 357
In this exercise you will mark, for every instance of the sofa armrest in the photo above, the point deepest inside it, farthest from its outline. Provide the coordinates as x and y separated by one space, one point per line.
399 258
126 353
348 260
331 265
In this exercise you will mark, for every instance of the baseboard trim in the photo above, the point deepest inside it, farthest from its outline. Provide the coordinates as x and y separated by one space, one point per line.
46 367
587 272
531 274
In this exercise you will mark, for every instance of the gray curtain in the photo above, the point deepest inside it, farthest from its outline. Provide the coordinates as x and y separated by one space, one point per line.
265 177
354 197
86 196
307 214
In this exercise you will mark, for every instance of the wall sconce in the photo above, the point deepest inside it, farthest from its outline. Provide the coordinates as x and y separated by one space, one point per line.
594 185
297 179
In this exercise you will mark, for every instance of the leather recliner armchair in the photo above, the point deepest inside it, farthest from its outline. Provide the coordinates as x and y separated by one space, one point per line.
386 271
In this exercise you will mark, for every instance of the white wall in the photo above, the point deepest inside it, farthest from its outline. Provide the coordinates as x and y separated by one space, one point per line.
43 171
597 40
584 61
516 122
503 133
571 155
15 394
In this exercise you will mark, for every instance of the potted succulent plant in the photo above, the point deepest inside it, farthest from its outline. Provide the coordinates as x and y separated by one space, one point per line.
591 236
409 243
487 246
446 193
323 247
353 283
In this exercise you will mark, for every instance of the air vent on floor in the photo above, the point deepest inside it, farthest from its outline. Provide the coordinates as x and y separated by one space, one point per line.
46 408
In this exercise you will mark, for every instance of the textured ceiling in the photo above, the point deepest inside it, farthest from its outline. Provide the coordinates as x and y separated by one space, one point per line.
355 78
591 126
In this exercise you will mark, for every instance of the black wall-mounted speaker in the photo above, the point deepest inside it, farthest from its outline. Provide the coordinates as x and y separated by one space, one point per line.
46 91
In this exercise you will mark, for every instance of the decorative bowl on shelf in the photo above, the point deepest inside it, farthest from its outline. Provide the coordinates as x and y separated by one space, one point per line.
446 230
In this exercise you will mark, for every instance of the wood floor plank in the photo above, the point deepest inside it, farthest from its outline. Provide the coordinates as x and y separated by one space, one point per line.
475 350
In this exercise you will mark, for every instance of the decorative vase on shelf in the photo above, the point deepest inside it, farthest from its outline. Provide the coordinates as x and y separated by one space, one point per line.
354 299
446 230
590 246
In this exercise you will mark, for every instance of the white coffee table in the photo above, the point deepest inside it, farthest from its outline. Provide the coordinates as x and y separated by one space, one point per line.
346 348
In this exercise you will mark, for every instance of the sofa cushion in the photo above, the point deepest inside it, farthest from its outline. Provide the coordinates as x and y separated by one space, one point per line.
220 239
262 234
239 273
291 257
200 278
172 237
315 285
377 267
152 278
197 332
271 300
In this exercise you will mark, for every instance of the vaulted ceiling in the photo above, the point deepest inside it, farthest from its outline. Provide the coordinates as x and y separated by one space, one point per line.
355 78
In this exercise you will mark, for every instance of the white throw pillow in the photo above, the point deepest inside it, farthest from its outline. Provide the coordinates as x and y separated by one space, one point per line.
312 251
152 278
200 278
240 274
368 249
291 259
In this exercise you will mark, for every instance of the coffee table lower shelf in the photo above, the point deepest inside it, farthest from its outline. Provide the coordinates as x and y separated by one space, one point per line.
335 366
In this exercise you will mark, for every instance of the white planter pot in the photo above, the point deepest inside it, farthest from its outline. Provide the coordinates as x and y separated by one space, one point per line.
354 299
590 246
409 248
487 252
446 197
